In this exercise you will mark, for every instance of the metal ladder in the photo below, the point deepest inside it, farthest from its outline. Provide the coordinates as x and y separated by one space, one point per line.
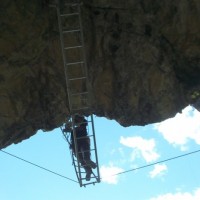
72 46
80 172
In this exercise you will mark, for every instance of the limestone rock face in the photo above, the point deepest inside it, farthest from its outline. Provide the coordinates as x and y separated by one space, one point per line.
142 57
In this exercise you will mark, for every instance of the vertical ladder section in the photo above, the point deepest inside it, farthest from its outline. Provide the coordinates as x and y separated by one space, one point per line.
79 169
72 46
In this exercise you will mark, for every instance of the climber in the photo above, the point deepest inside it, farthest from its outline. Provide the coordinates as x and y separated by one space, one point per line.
83 145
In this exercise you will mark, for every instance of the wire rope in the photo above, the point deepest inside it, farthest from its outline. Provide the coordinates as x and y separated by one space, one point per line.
126 171
43 168
155 163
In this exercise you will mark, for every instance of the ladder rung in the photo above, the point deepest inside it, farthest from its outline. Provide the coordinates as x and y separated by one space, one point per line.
92 177
74 79
75 63
76 94
71 31
74 47
69 14
89 183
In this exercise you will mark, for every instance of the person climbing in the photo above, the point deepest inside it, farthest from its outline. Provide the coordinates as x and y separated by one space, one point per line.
83 145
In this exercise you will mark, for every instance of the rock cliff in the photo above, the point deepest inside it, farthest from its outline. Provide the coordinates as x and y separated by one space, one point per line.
142 57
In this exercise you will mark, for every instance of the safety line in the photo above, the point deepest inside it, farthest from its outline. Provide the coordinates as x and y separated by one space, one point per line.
38 166
166 160
127 171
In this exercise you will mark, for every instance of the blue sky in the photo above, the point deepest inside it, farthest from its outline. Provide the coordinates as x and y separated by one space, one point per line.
119 149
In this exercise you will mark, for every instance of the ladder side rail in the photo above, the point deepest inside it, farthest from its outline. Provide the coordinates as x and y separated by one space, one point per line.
66 138
72 154
95 147
83 43
63 49
74 164
67 83
66 77
76 151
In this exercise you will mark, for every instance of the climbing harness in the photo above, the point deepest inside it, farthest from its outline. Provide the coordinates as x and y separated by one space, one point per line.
72 46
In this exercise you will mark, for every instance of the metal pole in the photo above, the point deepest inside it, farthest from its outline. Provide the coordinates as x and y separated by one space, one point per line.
67 83
63 51
76 150
83 49
97 162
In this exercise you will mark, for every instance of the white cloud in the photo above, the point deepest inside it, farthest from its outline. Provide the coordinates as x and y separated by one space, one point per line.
141 146
108 174
158 170
178 130
179 196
